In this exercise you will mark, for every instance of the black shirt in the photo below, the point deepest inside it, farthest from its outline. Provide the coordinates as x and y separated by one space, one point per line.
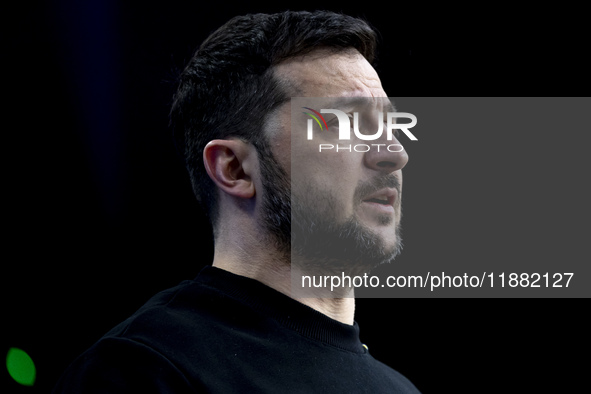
224 333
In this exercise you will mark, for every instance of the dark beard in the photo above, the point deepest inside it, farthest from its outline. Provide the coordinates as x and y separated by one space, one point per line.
307 232
276 210
328 247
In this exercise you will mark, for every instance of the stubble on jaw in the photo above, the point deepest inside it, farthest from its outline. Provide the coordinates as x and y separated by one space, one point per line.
323 243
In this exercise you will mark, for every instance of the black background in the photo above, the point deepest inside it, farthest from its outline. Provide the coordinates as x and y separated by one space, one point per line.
99 214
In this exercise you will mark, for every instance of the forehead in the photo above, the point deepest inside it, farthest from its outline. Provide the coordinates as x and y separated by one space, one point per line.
326 74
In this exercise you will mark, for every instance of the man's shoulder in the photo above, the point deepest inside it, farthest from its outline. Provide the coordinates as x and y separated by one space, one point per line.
117 364
160 344
191 308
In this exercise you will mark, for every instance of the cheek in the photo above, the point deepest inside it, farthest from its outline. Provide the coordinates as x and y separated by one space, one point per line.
327 173
329 168
337 175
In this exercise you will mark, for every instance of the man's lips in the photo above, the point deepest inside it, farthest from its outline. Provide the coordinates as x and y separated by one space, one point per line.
386 197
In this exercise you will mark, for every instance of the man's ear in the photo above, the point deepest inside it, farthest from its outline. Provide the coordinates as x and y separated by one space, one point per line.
229 164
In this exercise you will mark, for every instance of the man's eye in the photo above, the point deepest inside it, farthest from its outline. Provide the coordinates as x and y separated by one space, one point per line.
333 123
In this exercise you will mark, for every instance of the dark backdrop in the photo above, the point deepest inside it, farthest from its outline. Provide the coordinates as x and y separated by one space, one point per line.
99 214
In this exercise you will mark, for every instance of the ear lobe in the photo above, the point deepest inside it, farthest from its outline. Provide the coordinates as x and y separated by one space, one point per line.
227 164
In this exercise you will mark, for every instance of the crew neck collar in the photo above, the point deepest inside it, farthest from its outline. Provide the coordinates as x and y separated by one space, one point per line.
287 311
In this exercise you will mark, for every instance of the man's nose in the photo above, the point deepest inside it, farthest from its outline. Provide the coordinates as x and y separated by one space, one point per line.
386 155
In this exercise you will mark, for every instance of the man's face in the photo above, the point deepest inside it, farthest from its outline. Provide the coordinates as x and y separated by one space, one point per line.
345 205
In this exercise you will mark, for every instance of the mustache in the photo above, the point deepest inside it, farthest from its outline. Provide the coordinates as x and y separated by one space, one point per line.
365 188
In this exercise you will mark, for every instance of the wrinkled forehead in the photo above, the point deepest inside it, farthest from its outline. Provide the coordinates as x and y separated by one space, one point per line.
324 73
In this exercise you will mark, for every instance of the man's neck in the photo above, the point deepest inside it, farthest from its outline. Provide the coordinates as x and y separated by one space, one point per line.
340 309
278 277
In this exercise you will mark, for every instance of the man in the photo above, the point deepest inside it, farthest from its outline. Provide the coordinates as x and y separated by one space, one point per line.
240 326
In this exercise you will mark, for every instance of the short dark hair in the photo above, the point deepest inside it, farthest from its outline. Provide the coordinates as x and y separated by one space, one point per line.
228 88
